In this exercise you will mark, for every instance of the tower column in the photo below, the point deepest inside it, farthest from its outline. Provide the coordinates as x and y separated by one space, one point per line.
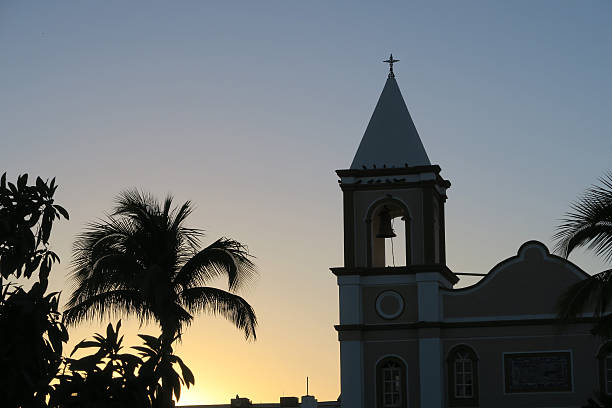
351 351
430 344
430 368
351 367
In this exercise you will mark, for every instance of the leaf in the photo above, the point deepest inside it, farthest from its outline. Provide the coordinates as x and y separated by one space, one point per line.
84 344
111 335
150 340
145 350
45 268
62 211
187 373
22 181
40 183
65 335
46 224
87 363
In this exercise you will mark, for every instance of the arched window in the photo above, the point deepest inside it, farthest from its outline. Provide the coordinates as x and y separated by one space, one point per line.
391 383
462 377
605 368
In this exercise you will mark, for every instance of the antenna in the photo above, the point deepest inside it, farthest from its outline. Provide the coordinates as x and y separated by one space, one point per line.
307 385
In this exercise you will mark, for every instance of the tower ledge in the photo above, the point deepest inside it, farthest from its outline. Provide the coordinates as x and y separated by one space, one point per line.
402 177
397 270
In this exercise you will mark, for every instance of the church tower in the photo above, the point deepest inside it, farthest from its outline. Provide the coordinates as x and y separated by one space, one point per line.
390 346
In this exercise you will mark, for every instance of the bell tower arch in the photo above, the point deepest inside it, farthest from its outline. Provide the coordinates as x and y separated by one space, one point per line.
391 178
373 197
379 228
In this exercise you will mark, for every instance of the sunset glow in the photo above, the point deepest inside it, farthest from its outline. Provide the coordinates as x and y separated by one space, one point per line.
247 108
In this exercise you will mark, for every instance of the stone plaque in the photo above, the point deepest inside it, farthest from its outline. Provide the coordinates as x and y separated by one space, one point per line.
538 372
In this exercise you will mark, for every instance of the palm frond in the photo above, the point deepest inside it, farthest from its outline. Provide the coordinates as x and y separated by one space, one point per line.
603 327
119 302
178 217
224 257
219 302
111 272
589 223
592 293
190 236
139 207
104 237
166 210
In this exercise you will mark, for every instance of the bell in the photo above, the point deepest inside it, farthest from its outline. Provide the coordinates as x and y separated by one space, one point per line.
385 230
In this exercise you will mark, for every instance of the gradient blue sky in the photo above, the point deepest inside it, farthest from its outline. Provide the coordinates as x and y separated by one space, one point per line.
246 108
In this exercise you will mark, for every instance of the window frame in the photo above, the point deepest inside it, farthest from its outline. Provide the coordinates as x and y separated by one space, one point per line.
468 353
380 382
603 355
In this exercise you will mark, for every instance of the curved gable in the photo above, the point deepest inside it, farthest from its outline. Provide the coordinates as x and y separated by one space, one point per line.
526 284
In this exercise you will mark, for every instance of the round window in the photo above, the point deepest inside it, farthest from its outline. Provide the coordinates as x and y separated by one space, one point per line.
389 304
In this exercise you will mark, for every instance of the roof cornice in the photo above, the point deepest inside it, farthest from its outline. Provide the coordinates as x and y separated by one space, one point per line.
388 171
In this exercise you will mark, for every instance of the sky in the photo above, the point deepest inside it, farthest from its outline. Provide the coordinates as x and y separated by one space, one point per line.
247 108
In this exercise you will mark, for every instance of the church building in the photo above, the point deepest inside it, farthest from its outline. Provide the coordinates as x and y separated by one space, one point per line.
408 338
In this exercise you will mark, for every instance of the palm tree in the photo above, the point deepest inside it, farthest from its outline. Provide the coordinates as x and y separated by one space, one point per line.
143 260
589 224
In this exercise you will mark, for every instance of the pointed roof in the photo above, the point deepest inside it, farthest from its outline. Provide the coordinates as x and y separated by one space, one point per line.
391 139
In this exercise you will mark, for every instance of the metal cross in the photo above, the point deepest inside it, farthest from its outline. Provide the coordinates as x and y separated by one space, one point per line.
390 61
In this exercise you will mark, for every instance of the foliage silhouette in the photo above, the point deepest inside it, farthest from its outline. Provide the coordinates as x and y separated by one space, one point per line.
32 332
26 218
31 326
158 370
31 344
589 224
106 378
143 260
110 378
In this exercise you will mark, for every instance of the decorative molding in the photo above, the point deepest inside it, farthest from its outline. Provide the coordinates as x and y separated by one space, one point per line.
529 248
563 358
434 168
380 184
454 325
397 270
381 298
374 280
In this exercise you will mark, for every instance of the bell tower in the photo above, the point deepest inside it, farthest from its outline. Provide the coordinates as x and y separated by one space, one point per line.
389 355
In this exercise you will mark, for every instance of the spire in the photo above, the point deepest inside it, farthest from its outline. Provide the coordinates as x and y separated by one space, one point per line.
391 139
